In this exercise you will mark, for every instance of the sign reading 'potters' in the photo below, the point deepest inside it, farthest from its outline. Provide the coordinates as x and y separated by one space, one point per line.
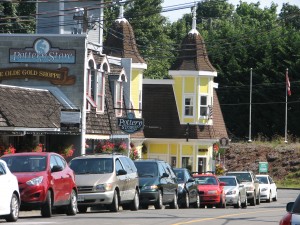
41 52
130 124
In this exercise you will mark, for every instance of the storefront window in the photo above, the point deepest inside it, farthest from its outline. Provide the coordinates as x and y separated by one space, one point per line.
187 162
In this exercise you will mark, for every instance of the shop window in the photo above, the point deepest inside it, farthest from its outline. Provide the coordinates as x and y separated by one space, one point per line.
188 106
173 161
186 162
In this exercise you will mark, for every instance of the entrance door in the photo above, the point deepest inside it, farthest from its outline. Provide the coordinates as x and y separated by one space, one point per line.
201 165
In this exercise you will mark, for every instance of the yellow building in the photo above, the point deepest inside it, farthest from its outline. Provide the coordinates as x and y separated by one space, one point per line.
183 119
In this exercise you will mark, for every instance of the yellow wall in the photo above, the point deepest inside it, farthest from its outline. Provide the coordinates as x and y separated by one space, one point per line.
158 149
189 84
204 85
173 149
136 79
187 149
178 94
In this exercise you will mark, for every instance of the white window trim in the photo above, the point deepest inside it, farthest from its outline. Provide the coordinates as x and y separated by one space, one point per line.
192 96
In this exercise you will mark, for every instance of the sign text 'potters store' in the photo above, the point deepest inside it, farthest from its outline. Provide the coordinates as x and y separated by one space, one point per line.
130 124
41 52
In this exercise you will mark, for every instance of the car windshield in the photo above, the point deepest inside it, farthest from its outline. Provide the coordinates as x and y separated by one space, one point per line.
179 175
262 180
92 166
206 180
146 169
26 163
228 181
241 176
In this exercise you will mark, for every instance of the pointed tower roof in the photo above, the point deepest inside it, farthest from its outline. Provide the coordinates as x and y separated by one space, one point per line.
193 54
121 40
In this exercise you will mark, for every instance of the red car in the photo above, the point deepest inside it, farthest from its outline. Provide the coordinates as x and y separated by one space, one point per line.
45 181
211 190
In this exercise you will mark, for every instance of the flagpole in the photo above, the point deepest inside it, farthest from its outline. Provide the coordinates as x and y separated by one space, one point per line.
250 106
286 92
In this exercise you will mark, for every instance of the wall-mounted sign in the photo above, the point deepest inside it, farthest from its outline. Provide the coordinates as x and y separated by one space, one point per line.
224 142
130 124
263 167
41 52
70 120
59 76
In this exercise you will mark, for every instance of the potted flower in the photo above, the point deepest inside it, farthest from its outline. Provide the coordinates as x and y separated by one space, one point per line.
104 147
10 150
38 148
133 154
67 151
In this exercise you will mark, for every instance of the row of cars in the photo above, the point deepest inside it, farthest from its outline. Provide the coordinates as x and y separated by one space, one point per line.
45 181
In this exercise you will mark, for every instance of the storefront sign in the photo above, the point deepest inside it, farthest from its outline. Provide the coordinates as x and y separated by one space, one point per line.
130 124
263 167
41 52
59 76
224 142
70 120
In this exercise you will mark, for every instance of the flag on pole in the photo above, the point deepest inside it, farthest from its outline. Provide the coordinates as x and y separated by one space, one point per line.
288 85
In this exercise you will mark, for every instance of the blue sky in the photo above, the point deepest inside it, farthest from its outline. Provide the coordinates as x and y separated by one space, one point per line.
175 15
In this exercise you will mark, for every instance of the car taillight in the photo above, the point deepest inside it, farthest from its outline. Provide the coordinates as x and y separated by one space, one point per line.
286 220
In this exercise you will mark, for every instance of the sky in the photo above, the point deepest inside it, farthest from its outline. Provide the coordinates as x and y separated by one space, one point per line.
177 14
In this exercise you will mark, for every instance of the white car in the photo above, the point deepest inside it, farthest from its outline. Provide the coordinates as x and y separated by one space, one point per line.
9 194
268 188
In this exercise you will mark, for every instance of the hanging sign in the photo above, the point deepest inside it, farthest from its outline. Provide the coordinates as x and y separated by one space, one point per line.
130 124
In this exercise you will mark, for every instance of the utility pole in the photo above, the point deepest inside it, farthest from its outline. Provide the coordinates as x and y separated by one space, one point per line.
250 106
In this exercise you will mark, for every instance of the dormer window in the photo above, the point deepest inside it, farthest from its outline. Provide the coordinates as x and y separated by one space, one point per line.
95 88
203 106
119 95
188 105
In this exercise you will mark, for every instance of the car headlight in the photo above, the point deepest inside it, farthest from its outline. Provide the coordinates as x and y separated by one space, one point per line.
232 192
212 192
104 187
265 189
152 187
35 181
180 187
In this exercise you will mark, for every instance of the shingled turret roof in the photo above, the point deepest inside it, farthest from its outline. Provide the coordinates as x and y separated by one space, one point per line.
193 54
121 41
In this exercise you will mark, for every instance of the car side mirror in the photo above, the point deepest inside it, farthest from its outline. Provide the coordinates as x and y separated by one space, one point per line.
289 206
56 168
121 172
222 183
191 179
164 175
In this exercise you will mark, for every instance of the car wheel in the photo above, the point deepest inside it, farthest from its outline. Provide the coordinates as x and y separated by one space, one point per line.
197 203
174 203
14 209
186 203
72 207
134 205
46 209
258 199
245 203
82 209
114 207
238 204
275 198
159 202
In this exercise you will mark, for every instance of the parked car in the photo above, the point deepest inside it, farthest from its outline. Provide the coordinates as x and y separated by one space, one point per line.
157 182
211 190
187 189
268 188
108 180
249 180
292 217
235 192
9 194
45 182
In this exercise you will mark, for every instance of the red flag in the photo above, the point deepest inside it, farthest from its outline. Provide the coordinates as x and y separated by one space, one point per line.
288 85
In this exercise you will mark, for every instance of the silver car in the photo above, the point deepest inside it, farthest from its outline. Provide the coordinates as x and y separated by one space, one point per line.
235 192
107 180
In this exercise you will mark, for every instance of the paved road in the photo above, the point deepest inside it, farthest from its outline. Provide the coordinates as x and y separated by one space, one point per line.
263 214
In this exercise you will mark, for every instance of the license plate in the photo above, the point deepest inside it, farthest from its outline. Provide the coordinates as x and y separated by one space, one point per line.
80 198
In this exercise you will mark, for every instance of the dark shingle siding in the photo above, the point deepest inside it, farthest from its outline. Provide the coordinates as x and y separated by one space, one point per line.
29 108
